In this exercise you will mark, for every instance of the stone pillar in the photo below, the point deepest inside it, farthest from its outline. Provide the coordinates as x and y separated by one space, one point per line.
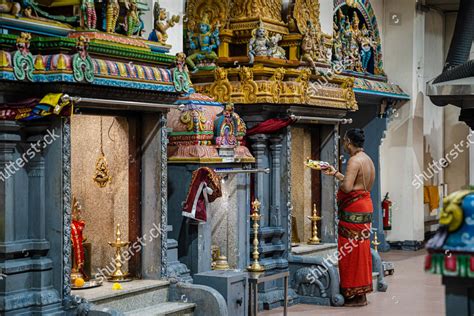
275 208
36 187
26 279
329 153
262 181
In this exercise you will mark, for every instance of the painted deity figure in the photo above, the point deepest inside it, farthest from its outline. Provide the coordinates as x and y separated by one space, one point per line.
132 19
367 46
225 126
259 44
312 46
112 14
275 50
355 28
89 16
203 44
161 24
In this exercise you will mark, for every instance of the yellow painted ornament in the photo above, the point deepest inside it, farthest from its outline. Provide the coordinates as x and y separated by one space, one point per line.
452 213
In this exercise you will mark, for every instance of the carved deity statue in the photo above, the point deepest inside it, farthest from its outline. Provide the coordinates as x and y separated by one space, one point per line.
133 25
89 16
161 24
353 43
262 45
355 27
203 44
275 50
312 46
259 44
366 46
112 14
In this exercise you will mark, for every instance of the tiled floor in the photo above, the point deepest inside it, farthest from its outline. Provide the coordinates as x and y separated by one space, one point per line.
411 291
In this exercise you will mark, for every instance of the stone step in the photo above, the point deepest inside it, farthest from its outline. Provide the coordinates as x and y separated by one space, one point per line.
324 250
168 309
134 295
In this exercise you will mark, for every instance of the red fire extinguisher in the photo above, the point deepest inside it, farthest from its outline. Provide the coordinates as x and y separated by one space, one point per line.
387 213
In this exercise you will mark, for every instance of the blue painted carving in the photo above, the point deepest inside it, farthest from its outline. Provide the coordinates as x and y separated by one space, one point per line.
378 267
315 280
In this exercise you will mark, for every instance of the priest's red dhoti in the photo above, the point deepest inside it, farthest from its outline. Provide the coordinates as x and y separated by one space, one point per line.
355 260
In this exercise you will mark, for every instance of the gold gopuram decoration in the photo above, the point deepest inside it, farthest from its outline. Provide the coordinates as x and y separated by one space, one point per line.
118 244
376 242
255 266
314 218
102 172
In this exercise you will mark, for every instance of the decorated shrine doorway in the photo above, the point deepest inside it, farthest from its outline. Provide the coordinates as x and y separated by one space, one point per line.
100 182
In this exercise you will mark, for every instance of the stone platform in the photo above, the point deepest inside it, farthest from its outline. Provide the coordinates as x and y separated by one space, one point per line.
138 297
324 250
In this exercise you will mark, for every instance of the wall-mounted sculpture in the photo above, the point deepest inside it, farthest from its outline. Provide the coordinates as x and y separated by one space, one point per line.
262 45
161 24
203 45
356 43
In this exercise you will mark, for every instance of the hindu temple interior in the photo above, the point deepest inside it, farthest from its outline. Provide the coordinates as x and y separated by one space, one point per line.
236 157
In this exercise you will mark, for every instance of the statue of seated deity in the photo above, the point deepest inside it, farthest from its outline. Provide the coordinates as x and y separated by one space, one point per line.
203 45
262 45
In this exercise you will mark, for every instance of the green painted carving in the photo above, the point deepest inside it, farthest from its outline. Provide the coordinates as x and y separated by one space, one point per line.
83 69
181 80
82 66
23 64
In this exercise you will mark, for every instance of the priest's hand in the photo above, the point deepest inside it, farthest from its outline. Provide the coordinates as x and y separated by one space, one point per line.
329 171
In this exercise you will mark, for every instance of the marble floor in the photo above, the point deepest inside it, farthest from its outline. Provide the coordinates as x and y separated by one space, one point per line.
411 291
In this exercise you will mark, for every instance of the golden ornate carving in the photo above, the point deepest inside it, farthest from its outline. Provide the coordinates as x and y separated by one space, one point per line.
306 11
248 86
349 95
221 87
303 80
269 9
277 85
216 10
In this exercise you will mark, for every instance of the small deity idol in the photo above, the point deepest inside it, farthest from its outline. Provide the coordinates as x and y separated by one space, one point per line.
275 50
260 43
204 44
366 46
89 16
311 46
159 33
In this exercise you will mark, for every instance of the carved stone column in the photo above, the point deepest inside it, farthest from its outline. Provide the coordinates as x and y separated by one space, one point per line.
27 273
275 209
262 183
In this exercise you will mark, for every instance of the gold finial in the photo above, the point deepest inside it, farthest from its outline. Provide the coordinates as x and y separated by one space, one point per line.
376 242
255 266
314 218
